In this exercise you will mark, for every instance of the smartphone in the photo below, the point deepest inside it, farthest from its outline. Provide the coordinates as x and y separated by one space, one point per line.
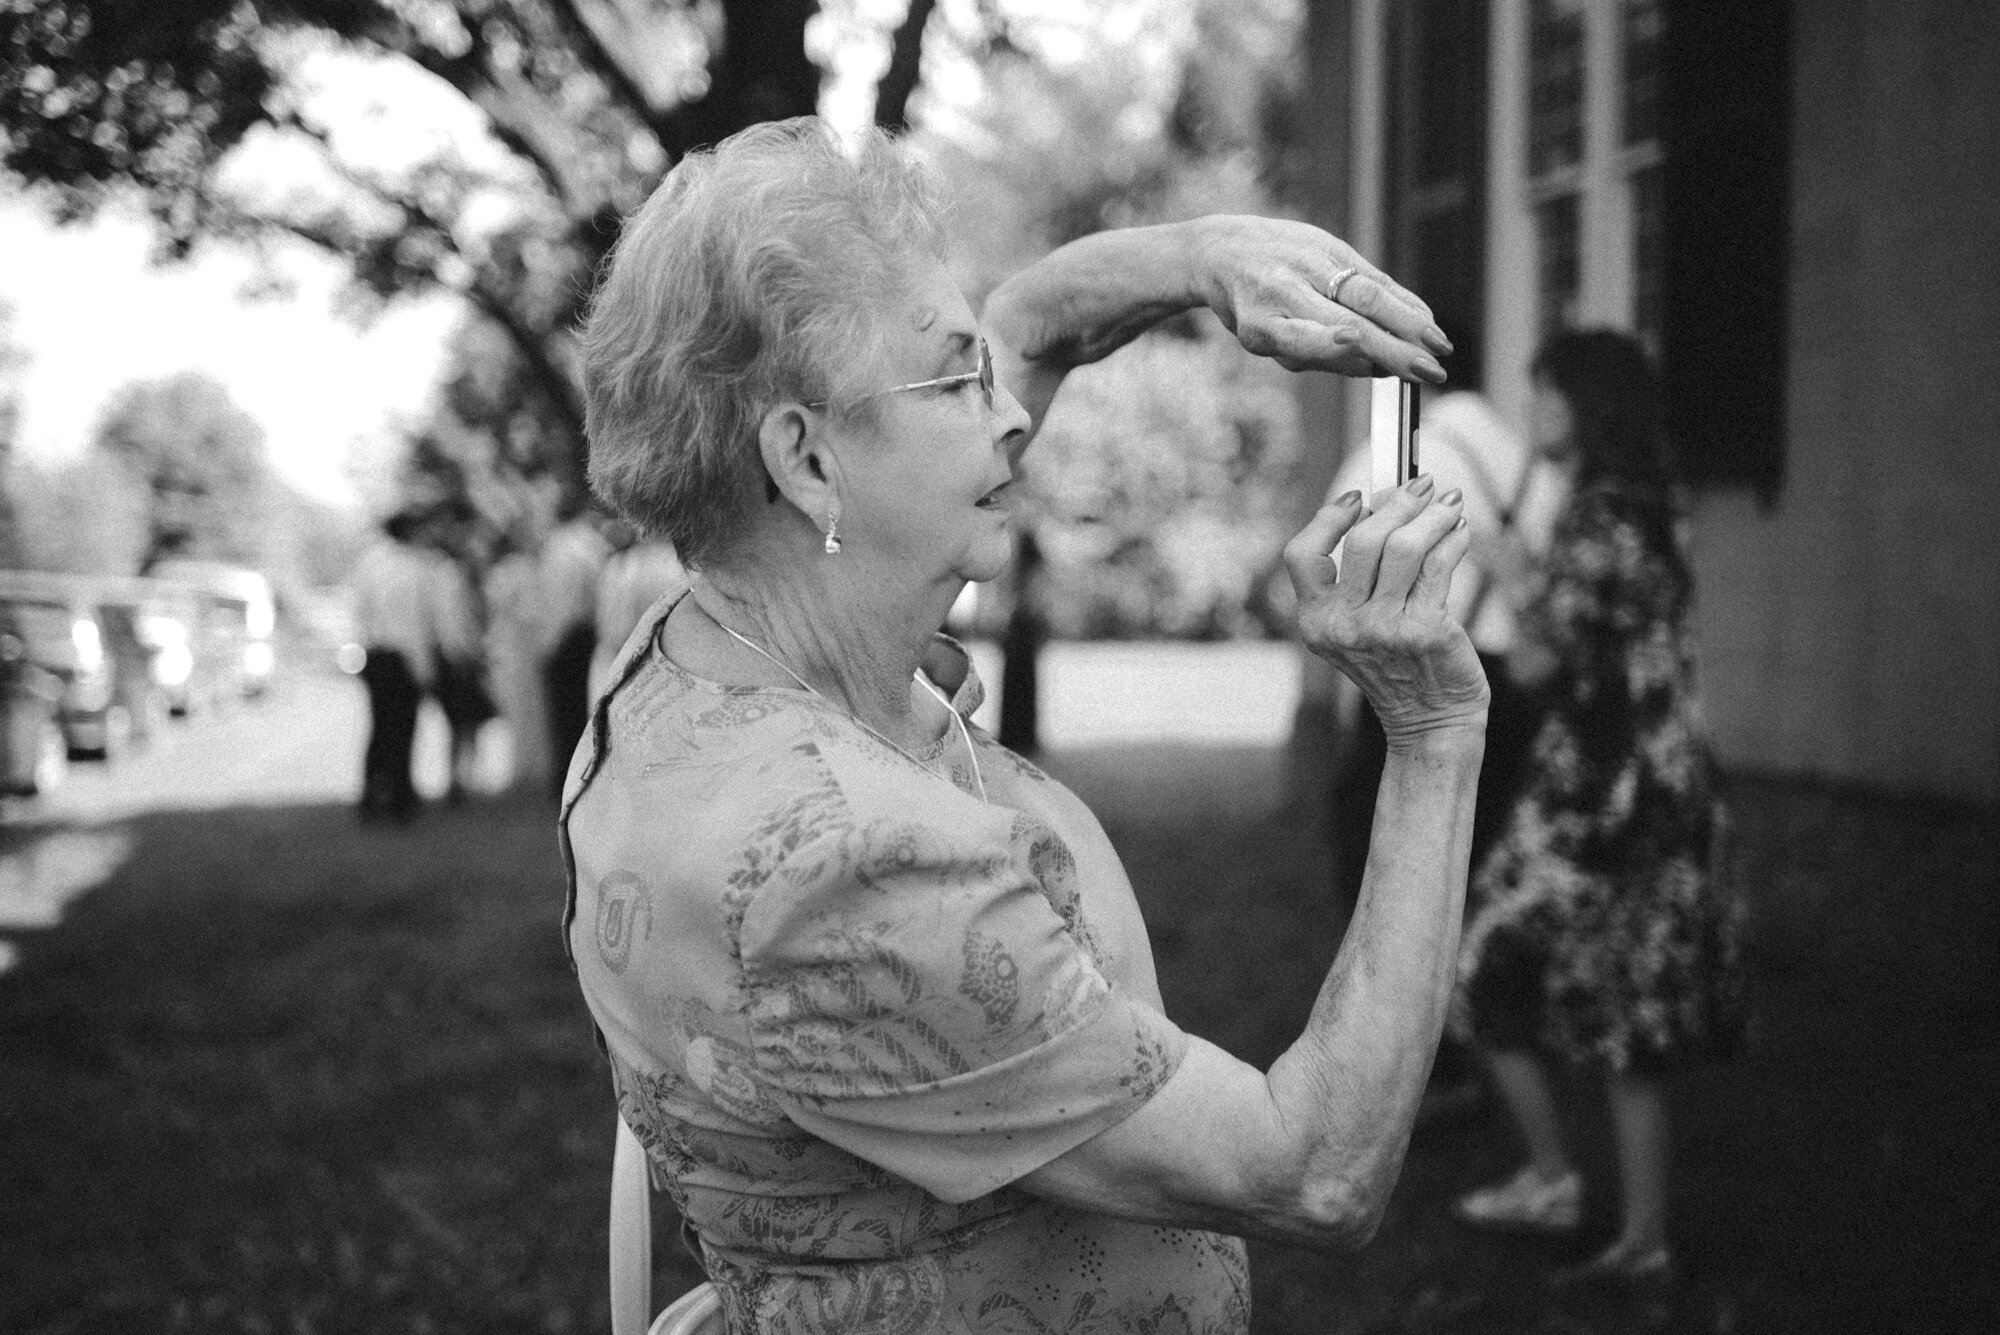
1393 423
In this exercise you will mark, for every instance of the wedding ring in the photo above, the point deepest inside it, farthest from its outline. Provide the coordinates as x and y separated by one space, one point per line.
1333 285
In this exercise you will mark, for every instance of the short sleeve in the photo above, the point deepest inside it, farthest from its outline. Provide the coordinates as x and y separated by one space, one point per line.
915 999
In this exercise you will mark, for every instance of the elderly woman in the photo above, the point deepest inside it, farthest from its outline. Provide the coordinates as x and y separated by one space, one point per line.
876 992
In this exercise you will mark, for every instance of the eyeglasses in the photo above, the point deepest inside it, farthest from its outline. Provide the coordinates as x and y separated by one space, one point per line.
984 375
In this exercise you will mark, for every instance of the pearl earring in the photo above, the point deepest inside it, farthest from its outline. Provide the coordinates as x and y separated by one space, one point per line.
832 546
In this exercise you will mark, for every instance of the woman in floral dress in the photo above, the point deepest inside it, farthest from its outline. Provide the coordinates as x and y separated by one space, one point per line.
1601 929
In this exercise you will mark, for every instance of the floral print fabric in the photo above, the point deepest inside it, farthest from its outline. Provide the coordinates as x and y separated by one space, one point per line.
1601 927
847 1004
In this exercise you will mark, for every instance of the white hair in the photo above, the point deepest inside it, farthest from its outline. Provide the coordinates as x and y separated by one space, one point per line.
753 273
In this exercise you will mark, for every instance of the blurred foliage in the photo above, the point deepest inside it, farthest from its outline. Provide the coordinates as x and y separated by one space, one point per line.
87 515
198 463
1158 488
174 468
12 359
482 147
481 453
488 147
1158 492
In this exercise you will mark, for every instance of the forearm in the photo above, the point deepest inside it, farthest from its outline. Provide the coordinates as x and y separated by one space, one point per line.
1309 1150
1084 301
1348 1088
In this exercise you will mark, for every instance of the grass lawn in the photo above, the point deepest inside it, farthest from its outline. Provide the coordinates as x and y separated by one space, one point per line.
285 1074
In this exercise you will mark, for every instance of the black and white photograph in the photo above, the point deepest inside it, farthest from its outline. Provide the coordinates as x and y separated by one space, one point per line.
999 667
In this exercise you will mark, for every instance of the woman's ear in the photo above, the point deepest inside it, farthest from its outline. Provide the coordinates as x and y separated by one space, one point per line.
793 442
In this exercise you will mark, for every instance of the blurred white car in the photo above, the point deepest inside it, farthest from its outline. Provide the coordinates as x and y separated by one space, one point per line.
230 643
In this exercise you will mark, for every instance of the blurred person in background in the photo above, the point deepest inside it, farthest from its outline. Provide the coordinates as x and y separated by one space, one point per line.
634 578
460 686
1602 929
876 991
393 585
1511 501
513 649
571 559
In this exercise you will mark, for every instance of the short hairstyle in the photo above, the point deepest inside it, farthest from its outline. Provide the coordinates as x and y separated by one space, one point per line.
752 274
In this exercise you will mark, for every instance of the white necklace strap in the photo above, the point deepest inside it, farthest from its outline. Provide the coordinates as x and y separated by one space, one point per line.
964 732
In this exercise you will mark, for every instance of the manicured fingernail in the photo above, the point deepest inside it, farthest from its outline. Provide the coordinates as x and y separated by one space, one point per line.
1420 485
1352 498
1452 497
1435 340
1459 525
1429 370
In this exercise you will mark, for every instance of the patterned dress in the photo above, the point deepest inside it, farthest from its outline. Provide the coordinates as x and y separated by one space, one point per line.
848 1004
1602 927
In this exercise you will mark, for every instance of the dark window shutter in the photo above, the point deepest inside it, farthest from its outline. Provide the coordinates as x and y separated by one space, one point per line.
1435 187
1725 94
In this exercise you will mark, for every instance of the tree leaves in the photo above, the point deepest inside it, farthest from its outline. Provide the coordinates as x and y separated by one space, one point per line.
584 102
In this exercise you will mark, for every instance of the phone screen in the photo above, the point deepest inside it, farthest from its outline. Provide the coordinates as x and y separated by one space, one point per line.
1393 423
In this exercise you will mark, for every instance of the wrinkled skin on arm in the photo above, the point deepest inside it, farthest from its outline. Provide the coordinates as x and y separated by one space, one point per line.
1309 1151
1266 279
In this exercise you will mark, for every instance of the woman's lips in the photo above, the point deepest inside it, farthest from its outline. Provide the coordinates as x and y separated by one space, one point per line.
996 496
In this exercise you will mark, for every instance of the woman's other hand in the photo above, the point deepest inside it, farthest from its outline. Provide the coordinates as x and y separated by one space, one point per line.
1381 618
1271 281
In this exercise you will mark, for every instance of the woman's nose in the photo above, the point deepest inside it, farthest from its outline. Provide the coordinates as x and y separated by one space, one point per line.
1010 419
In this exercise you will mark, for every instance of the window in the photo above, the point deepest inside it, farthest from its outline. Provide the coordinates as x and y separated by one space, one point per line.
1592 138
1643 22
1546 164
1436 167
1648 253
1555 88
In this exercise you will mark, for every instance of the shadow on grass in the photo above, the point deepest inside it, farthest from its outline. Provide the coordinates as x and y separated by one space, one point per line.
285 1073
1841 1176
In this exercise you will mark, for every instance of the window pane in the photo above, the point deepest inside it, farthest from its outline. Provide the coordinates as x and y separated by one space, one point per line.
1643 21
1557 263
1555 86
1450 75
1648 251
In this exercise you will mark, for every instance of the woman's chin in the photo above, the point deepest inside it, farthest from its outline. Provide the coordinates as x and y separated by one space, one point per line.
987 561
983 572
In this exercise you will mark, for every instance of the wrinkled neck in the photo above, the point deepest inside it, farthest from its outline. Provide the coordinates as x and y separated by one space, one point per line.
855 641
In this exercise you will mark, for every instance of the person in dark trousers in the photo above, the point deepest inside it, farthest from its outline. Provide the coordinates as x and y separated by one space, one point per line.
459 622
392 583
572 561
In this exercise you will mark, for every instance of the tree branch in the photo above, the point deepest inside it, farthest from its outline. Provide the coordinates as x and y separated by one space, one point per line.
558 387
477 84
598 59
906 50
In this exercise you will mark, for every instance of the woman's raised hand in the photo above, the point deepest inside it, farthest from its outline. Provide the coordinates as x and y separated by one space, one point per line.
1381 617
1273 280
